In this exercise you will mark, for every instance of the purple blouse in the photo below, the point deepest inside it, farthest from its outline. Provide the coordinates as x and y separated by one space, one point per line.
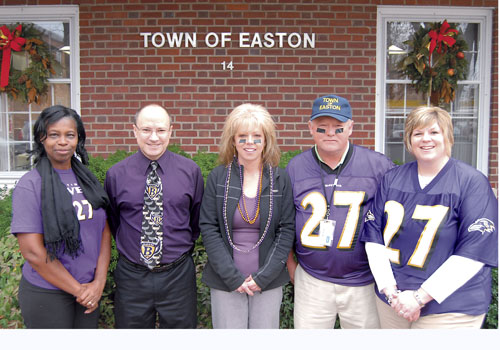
245 236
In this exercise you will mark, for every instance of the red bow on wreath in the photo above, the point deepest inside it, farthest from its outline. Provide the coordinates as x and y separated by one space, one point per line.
9 41
444 34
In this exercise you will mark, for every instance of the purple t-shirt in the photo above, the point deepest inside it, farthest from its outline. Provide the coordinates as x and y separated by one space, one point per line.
182 185
27 218
245 236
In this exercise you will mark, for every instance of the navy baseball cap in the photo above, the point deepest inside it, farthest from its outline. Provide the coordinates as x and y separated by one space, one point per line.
332 106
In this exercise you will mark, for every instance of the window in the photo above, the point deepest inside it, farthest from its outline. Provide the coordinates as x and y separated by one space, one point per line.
396 96
59 28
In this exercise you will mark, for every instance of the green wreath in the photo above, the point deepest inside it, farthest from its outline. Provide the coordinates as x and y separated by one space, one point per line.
436 61
30 84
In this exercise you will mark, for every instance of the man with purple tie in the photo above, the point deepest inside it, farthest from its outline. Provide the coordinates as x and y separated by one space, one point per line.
155 200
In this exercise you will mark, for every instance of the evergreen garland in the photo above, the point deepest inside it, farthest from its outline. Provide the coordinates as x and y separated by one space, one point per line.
439 80
30 84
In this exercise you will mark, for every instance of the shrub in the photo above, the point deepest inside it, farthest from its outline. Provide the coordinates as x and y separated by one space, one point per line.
5 211
11 261
492 316
206 162
98 165
286 157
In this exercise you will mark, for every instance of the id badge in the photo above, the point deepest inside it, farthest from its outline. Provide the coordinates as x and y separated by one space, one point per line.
326 229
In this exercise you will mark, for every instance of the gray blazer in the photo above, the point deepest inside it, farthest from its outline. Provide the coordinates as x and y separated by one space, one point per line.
220 271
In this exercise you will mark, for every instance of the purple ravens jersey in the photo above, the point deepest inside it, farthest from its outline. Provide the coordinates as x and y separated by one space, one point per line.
455 214
353 187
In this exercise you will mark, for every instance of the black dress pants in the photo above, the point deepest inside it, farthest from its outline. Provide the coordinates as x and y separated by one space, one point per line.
142 295
53 309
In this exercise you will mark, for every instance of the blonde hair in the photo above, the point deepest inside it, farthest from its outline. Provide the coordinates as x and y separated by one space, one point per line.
249 117
425 116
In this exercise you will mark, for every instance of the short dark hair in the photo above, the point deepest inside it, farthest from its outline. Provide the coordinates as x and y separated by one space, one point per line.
51 115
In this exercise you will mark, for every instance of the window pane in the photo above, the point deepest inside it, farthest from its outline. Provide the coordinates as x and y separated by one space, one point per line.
470 33
466 99
398 153
397 34
395 98
56 36
19 127
62 94
394 129
19 159
56 94
15 135
403 97
45 101
14 156
465 123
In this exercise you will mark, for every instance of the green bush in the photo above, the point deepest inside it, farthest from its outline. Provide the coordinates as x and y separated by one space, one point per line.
98 165
286 156
206 162
492 316
11 259
5 211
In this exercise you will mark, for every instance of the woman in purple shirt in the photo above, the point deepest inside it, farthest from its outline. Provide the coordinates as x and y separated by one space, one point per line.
59 220
247 223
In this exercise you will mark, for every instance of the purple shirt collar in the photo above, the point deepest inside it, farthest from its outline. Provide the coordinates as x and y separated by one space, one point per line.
143 162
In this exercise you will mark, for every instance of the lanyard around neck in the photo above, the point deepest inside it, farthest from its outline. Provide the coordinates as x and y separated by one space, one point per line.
329 203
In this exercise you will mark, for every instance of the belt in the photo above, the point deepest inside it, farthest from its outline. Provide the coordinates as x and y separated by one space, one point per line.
160 267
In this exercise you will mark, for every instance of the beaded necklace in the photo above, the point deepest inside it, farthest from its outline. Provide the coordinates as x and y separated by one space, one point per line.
224 209
246 217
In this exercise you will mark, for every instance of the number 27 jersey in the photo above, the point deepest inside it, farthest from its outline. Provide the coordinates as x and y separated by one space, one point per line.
455 214
353 188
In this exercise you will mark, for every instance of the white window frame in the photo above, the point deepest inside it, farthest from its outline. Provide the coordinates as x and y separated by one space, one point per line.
483 16
28 13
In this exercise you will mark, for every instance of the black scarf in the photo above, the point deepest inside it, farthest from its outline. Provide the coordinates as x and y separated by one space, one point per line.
60 223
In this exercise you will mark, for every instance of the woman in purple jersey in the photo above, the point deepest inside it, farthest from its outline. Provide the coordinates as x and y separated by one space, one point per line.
430 235
247 223
60 222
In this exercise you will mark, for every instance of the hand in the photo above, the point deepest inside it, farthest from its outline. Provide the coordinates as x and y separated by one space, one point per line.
291 265
91 295
391 294
244 289
407 306
248 286
252 285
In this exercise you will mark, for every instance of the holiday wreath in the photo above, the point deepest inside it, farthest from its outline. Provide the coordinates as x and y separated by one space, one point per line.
436 61
28 84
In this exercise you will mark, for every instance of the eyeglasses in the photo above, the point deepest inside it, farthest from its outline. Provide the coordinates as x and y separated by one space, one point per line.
147 132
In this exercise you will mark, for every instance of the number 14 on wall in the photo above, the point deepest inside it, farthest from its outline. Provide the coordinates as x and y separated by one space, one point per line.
227 65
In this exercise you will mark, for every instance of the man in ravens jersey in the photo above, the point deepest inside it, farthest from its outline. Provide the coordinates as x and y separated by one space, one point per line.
332 185
431 235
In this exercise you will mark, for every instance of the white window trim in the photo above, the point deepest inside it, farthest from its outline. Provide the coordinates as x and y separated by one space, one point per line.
30 13
483 16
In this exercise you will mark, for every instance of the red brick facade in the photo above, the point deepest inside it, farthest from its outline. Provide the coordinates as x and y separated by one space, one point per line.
118 75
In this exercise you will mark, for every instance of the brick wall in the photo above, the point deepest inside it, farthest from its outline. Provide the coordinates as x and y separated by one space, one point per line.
119 75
